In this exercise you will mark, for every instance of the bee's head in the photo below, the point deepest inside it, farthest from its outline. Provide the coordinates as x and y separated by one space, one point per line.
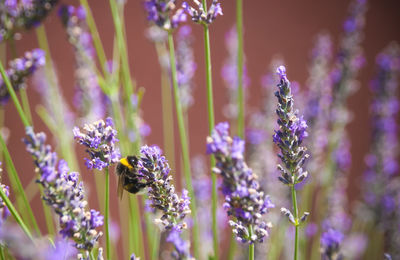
133 160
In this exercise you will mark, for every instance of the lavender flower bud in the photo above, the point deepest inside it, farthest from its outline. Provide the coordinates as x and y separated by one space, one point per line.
64 193
99 138
290 135
19 70
244 200
160 13
330 243
4 212
201 15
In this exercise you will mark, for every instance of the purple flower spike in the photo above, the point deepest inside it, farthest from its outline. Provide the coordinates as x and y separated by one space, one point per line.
64 193
153 170
100 139
244 200
19 71
290 135
89 98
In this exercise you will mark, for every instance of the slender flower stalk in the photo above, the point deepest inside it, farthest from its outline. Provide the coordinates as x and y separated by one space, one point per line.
240 64
64 193
289 138
205 17
245 203
4 211
100 138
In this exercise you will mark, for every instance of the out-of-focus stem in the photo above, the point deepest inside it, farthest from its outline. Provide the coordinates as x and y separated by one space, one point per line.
251 246
239 29
184 145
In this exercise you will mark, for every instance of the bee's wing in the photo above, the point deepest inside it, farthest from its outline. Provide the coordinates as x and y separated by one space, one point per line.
120 189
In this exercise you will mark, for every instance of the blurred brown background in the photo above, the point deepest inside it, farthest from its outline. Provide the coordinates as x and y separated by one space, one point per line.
271 27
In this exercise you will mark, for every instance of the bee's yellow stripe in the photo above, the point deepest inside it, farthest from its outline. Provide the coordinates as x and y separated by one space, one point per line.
125 162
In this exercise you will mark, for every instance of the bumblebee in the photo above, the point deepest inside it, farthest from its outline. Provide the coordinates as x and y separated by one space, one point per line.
128 179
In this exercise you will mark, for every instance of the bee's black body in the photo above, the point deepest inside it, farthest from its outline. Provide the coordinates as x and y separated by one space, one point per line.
128 178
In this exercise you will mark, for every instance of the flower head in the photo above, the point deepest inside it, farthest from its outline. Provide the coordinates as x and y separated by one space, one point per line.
64 193
159 12
330 242
99 138
244 200
201 15
19 70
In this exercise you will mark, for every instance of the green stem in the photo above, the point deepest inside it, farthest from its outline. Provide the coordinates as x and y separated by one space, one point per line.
211 123
95 36
13 96
239 29
25 104
184 146
295 213
19 189
107 213
251 246
15 214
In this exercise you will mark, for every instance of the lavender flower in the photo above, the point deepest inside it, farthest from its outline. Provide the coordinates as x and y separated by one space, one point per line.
100 139
290 135
17 15
244 200
201 15
330 242
160 13
229 74
186 66
64 193
154 170
19 70
382 197
4 212
88 98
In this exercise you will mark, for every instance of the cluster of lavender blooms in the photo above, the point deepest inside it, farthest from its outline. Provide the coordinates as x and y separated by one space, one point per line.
64 193
185 65
153 169
22 247
4 212
230 75
244 200
24 14
89 97
159 12
382 197
19 70
201 15
99 138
